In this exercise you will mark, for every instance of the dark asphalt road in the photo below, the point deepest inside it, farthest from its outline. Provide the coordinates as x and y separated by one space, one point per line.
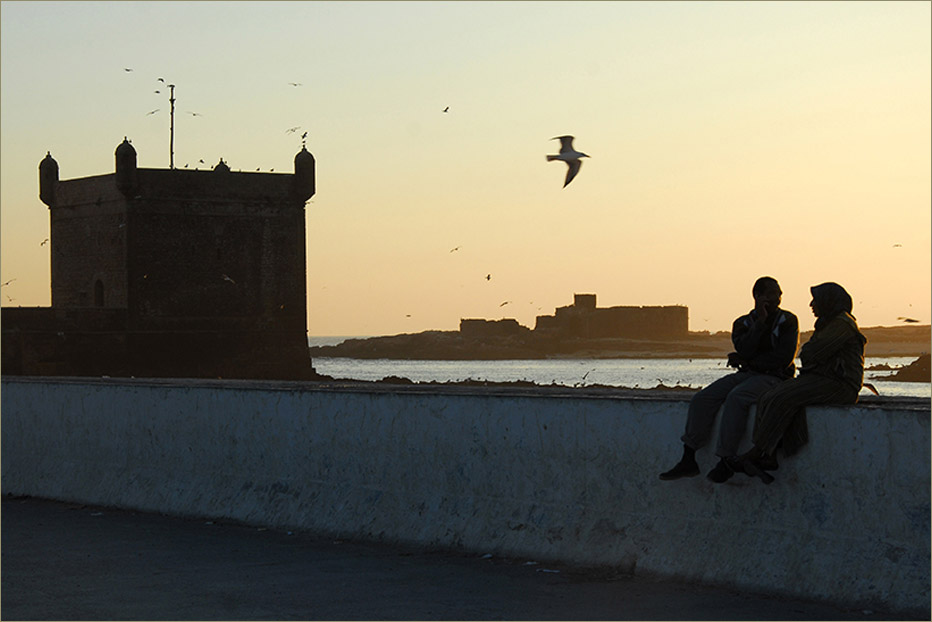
65 561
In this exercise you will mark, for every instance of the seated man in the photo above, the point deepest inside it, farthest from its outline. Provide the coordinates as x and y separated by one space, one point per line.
765 340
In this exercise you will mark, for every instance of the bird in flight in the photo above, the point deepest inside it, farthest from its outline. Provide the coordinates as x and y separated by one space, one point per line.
908 320
152 111
195 114
569 155
7 283
292 130
304 135
447 109
161 79
453 250
294 84
127 69
44 242
488 277
226 278
505 303
897 246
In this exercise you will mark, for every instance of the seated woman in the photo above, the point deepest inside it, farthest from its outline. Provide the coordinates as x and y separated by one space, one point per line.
832 372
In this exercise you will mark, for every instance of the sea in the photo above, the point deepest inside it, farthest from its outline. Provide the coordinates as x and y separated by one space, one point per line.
692 373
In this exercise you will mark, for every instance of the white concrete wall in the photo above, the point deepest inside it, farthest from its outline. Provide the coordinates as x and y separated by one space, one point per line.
523 473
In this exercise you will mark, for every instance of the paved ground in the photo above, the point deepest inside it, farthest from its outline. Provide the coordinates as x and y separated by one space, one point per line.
71 562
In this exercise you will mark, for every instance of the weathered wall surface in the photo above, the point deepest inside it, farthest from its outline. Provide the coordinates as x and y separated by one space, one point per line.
570 477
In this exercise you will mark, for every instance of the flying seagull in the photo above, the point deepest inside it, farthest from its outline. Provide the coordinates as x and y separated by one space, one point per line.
447 109
292 130
152 111
569 155
127 69
7 283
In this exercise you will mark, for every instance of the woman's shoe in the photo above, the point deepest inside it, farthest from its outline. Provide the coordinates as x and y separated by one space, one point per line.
754 470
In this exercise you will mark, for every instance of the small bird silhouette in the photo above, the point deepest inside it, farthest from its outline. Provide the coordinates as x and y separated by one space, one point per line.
291 130
453 250
152 111
294 84
156 92
161 79
44 242
226 278
908 320
304 135
127 69
569 155
505 303
201 161
488 277
7 283
897 246
447 109
195 114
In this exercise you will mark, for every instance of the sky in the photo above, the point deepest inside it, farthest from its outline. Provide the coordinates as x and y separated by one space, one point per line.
727 141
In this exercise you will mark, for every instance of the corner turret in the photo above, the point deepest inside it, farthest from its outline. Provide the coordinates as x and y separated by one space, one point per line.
48 179
126 168
304 179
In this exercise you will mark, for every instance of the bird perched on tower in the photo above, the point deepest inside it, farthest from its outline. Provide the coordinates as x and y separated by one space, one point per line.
569 155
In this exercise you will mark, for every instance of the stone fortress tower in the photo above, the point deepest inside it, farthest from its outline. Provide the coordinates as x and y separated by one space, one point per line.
170 273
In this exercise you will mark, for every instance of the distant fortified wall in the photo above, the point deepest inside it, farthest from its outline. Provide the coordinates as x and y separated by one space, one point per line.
584 320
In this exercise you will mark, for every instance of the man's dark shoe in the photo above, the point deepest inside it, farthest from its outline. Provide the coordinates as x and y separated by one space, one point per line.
684 468
722 472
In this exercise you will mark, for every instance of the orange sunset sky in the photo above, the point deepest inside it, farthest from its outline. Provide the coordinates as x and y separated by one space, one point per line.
728 140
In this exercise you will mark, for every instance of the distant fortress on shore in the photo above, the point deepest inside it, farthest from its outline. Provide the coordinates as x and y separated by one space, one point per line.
584 320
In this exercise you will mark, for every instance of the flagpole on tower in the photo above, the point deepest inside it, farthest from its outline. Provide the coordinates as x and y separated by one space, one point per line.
171 139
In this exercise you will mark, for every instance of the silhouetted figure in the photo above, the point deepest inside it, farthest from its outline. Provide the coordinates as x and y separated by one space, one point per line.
765 343
569 155
908 320
447 109
831 372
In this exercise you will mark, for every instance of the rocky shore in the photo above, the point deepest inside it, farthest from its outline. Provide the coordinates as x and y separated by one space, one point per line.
453 345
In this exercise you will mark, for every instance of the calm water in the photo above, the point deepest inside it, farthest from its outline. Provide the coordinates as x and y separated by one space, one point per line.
631 373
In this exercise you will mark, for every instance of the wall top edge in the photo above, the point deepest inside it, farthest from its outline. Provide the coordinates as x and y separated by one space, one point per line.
664 395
